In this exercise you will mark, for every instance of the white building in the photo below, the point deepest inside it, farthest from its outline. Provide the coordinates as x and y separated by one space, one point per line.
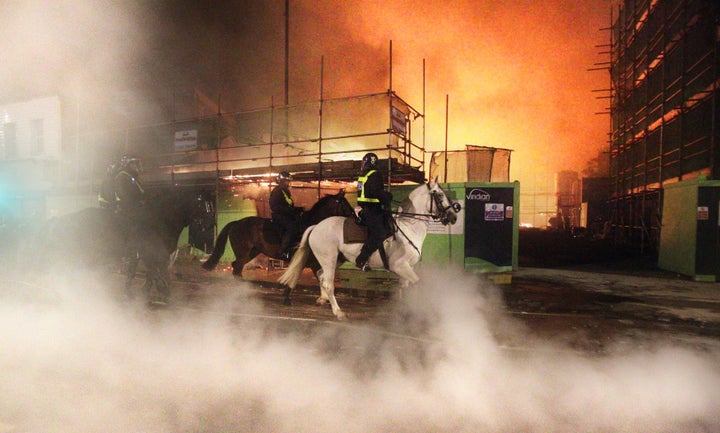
30 153
30 144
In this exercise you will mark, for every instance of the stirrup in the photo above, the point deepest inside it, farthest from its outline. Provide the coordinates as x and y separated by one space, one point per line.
365 266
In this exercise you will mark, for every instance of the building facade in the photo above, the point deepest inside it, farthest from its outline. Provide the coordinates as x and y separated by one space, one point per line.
30 155
665 85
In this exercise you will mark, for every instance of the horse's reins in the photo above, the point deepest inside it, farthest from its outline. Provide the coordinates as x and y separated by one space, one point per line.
419 216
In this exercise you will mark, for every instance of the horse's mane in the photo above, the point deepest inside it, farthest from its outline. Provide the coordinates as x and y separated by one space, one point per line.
323 206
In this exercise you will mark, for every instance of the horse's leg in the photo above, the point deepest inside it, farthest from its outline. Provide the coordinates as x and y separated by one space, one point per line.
162 286
323 298
148 284
151 278
327 288
326 276
286 296
407 276
243 246
130 272
405 272
128 286
317 270
237 268
241 259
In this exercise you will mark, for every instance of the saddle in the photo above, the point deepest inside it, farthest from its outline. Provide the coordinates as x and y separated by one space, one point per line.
356 233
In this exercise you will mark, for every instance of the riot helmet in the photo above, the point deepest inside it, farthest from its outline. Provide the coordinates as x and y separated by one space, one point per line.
284 176
369 162
131 163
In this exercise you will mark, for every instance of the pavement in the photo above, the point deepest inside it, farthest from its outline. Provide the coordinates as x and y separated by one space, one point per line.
676 295
593 308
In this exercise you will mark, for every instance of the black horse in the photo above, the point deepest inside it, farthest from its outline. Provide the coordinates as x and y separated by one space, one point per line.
96 238
251 236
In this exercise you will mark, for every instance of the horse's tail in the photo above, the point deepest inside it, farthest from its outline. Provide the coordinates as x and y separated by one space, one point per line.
219 249
292 274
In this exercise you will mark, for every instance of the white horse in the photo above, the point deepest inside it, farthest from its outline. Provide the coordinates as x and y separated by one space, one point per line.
325 239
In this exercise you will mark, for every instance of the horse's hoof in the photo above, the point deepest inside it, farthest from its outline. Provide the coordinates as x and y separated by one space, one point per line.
321 301
341 316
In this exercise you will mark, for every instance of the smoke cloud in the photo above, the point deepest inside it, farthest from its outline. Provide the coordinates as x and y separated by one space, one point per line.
77 359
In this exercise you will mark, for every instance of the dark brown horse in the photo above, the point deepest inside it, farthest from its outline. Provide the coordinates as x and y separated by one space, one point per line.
251 236
96 238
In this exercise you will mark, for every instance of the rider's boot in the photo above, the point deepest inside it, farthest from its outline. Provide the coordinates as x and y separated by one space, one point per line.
362 259
284 251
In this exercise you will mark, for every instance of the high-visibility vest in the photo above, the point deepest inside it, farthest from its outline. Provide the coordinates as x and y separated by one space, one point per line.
361 190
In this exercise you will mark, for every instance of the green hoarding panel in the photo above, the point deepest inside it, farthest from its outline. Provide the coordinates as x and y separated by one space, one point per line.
476 242
689 233
244 208
677 236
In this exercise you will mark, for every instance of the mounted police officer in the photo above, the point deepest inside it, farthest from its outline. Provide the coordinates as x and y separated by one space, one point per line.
375 202
284 213
129 192
130 198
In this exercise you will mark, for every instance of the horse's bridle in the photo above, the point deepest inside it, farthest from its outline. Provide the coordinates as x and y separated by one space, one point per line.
436 199
435 202
442 210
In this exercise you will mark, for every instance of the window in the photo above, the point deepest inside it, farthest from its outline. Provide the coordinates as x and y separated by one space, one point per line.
36 137
9 141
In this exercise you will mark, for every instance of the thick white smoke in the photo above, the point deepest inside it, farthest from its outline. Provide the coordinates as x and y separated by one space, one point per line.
74 358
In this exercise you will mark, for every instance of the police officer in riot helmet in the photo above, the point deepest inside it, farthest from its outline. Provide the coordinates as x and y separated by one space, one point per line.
129 192
375 202
130 198
284 213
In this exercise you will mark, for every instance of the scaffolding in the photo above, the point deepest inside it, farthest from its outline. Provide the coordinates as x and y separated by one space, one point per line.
664 107
315 141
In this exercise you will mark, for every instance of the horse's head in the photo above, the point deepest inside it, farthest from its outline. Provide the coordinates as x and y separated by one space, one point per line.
440 207
329 205
204 204
342 206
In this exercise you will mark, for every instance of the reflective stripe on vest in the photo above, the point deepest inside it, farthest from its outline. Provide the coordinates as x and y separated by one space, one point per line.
288 199
361 191
134 181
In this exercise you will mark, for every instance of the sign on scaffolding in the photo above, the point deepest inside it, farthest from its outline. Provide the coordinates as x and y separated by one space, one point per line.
398 119
186 140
